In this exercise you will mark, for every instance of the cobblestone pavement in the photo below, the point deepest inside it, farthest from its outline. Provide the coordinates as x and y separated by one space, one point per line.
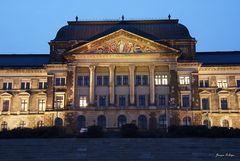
108 149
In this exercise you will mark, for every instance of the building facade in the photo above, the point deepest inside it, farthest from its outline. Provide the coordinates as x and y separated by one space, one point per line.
110 73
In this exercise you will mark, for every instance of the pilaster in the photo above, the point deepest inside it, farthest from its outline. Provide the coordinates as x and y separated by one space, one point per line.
132 83
92 85
111 84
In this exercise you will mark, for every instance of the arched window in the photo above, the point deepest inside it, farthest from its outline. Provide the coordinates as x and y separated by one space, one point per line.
101 121
162 121
81 121
58 122
4 125
186 121
207 123
122 120
142 122
40 123
225 123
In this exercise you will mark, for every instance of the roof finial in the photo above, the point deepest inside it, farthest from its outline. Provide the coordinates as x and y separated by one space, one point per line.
169 17
122 17
76 18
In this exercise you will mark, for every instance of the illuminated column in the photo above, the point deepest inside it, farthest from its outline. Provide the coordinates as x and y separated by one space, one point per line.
92 85
151 84
132 84
111 84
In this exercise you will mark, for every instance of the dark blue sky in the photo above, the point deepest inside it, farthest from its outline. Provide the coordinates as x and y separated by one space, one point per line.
28 25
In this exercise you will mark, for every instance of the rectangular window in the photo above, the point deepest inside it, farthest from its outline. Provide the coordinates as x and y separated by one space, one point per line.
83 101
122 80
161 80
59 101
141 80
125 79
60 81
102 101
105 80
6 105
83 81
138 80
142 100
144 80
7 85
41 104
238 83
205 103
102 80
185 101
99 80
158 80
25 85
184 80
224 103
122 101
162 100
222 83
203 83
119 80
42 85
24 105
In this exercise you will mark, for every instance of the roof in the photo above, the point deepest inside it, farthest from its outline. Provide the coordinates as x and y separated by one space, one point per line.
23 60
219 58
156 30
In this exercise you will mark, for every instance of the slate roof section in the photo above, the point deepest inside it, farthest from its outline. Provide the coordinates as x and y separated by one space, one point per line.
219 58
155 30
23 60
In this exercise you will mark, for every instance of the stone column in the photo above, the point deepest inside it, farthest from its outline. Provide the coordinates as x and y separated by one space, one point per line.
111 84
132 84
151 85
92 85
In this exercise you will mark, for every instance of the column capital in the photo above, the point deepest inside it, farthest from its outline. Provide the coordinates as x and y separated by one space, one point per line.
92 67
131 66
112 67
151 67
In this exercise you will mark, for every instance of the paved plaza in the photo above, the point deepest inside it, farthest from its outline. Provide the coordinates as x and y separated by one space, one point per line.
120 149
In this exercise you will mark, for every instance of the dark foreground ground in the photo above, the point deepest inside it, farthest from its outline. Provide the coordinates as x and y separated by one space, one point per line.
120 149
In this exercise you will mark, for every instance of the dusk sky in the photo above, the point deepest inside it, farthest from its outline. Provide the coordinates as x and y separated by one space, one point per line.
28 25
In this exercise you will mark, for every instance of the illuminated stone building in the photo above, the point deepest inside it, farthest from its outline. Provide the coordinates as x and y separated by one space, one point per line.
114 72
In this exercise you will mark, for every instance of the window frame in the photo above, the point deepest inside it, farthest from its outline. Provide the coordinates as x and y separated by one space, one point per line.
83 101
184 80
7 85
61 82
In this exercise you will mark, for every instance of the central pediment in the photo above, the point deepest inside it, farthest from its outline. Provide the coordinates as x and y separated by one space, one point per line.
122 41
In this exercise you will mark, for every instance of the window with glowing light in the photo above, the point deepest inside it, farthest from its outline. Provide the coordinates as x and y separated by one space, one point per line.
161 79
222 84
24 105
184 80
41 104
83 101
59 101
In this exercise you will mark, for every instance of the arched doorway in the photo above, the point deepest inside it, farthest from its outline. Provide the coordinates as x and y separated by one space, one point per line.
81 121
142 122
101 121
122 120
